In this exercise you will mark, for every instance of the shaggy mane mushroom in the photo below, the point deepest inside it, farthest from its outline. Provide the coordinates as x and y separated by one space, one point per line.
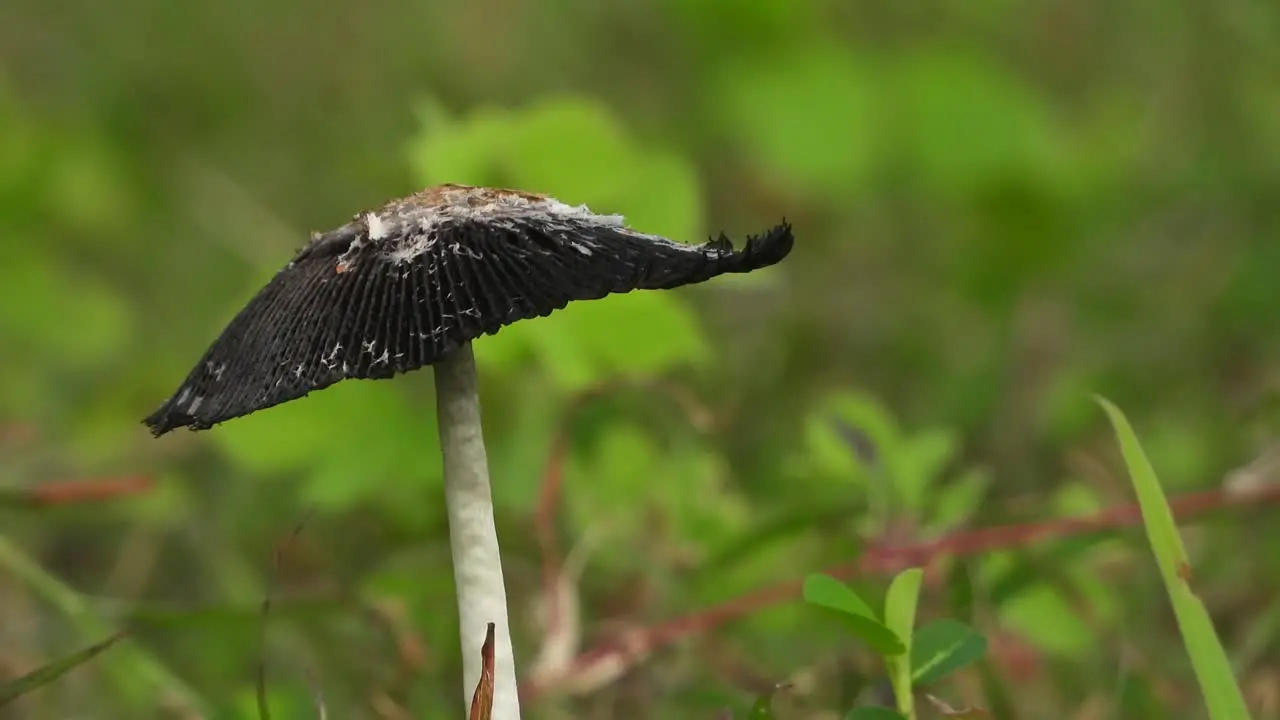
410 285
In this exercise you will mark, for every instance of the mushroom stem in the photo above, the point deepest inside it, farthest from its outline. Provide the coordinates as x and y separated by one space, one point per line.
473 538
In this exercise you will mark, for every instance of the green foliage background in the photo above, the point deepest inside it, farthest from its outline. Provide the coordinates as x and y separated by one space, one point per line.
1001 208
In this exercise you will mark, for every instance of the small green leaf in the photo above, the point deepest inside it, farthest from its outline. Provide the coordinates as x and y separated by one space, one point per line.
873 712
943 646
763 707
899 616
900 603
44 675
826 591
830 594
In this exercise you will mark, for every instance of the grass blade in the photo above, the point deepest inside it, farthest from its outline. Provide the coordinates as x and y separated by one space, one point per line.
136 673
1213 670
44 675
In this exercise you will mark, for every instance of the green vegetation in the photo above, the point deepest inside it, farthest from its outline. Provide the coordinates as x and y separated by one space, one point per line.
913 657
1001 209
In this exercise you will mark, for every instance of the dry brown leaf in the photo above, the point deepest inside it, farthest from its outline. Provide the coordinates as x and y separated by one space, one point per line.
482 699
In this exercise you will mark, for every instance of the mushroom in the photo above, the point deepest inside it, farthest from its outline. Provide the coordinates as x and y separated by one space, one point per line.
412 284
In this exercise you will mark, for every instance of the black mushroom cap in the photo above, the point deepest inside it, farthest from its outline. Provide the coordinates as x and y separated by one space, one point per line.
397 288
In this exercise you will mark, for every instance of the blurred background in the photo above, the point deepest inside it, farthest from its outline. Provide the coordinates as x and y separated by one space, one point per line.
1001 209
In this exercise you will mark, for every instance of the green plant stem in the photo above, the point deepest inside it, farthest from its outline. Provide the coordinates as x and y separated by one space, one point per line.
900 678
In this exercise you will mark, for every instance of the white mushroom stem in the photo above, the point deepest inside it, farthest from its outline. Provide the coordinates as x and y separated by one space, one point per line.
477 564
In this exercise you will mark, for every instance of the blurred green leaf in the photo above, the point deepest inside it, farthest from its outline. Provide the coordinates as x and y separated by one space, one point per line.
943 646
1031 592
628 479
571 147
828 428
784 523
664 197
1183 447
46 674
809 116
356 440
1208 658
956 500
460 151
965 121
1076 498
1007 576
827 452
826 592
580 348
851 436
85 187
1043 617
920 463
75 330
